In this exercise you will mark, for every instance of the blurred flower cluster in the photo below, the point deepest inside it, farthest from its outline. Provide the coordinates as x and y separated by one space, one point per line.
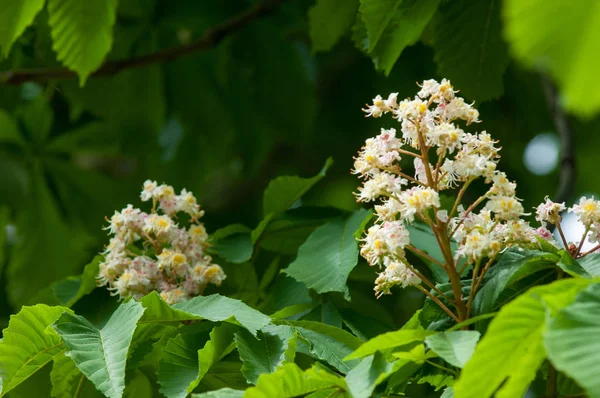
151 251
444 157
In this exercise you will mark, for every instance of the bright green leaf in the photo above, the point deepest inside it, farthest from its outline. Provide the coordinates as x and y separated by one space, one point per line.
82 33
101 354
390 340
570 56
329 21
284 191
325 260
16 15
369 373
274 346
393 25
68 381
512 350
18 360
469 49
456 348
572 343
221 393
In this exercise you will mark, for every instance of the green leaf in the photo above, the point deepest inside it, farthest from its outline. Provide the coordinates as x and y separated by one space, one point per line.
220 344
101 354
4 219
26 347
328 343
328 256
82 33
469 49
16 15
287 382
367 375
178 368
69 290
393 25
44 249
68 381
329 20
536 43
274 346
438 381
587 267
421 233
9 130
221 393
390 340
233 243
284 191
217 308
512 349
456 348
513 266
571 340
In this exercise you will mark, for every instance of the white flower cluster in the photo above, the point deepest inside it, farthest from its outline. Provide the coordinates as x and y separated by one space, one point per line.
428 125
587 211
150 251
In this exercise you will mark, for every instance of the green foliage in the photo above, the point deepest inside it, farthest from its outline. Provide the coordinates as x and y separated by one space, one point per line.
456 347
19 361
81 42
536 44
328 256
571 339
325 32
15 17
392 25
101 354
512 349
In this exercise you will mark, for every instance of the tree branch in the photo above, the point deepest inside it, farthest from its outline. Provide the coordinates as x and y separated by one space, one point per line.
210 38
568 172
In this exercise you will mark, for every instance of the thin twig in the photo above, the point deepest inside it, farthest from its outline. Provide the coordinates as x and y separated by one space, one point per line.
427 281
439 302
562 236
568 171
210 38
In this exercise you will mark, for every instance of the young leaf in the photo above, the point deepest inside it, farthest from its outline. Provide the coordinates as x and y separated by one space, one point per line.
274 346
284 191
16 15
329 20
82 33
513 266
328 343
512 349
469 49
534 41
367 375
456 348
178 368
390 340
218 308
329 254
393 25
571 340
26 347
101 354
287 382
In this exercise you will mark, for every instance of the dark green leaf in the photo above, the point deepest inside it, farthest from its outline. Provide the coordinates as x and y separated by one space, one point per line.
16 15
329 21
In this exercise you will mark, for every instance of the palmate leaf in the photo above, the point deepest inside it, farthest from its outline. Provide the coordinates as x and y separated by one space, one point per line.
15 16
512 349
469 49
391 26
290 381
26 347
328 343
82 33
284 191
326 31
275 345
456 347
101 354
328 256
536 43
571 340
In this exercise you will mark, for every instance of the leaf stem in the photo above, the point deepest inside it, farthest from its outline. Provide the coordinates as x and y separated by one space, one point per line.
438 302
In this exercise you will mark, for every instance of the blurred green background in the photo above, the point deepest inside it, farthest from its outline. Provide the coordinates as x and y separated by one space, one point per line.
277 97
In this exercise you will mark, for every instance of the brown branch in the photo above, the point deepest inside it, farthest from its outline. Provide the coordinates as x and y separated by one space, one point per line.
209 39
568 172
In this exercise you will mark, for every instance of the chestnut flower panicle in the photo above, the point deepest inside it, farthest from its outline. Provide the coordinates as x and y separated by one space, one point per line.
152 252
429 124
